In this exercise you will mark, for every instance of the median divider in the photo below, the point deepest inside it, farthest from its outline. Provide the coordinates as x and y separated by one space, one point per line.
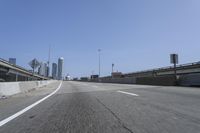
12 88
168 80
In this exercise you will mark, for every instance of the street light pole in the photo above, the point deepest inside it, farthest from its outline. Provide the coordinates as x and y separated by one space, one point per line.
99 50
112 67
48 63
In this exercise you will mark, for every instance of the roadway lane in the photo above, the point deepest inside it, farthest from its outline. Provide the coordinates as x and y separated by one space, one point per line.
98 108
17 102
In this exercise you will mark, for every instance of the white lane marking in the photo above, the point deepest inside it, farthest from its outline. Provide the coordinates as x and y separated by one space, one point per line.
3 122
133 94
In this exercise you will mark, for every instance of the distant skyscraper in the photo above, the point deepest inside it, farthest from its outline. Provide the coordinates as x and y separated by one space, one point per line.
60 68
43 69
54 70
12 61
47 71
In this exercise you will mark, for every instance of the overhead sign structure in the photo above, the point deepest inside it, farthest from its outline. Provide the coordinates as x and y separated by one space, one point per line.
34 64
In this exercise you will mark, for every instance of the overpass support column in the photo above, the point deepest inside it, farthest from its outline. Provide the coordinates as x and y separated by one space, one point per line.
16 77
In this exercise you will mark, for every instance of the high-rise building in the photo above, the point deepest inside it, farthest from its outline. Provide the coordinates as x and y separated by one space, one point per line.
43 69
60 68
54 70
12 61
47 71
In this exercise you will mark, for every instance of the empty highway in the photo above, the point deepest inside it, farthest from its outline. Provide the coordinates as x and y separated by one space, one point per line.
81 107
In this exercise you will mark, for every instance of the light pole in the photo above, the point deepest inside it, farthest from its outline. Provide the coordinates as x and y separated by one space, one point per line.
113 67
99 50
48 63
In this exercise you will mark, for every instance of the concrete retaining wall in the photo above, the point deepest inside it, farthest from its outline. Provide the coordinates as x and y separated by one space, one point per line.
8 89
161 80
127 80
11 88
167 80
190 80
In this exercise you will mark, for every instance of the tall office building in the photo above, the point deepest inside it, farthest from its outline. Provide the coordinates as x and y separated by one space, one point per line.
47 71
43 69
54 70
12 61
60 68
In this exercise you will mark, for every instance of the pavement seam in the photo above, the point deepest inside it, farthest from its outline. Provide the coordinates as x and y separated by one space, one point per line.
119 120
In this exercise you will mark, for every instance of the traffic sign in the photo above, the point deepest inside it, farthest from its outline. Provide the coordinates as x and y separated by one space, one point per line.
34 63
174 58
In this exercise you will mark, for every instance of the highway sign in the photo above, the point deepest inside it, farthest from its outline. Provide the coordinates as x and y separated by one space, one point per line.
174 58
34 63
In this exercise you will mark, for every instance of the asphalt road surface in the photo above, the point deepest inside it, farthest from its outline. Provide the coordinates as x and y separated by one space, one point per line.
80 107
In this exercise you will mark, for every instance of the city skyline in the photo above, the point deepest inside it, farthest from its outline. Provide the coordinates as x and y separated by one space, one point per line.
133 35
99 66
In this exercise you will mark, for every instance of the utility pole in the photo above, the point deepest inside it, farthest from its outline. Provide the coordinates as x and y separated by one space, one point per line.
17 76
49 56
113 67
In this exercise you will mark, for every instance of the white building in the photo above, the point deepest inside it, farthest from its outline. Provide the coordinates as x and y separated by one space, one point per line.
43 69
54 70
60 68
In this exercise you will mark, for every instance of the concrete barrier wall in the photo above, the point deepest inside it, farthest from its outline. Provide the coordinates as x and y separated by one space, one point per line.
161 80
11 88
127 80
167 80
8 89
190 80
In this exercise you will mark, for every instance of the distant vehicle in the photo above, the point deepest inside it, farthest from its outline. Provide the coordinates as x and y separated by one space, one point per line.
75 79
94 76
84 78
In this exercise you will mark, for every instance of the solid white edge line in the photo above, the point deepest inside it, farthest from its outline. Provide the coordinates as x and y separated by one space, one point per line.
133 94
3 122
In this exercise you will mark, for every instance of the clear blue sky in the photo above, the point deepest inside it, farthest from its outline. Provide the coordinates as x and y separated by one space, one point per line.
133 34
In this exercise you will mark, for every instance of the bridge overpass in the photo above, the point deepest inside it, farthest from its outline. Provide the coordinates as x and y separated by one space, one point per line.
10 72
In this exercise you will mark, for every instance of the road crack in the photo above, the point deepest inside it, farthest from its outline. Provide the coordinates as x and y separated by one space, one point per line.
118 119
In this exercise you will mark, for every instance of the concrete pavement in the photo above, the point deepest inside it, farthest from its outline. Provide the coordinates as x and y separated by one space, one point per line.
81 107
